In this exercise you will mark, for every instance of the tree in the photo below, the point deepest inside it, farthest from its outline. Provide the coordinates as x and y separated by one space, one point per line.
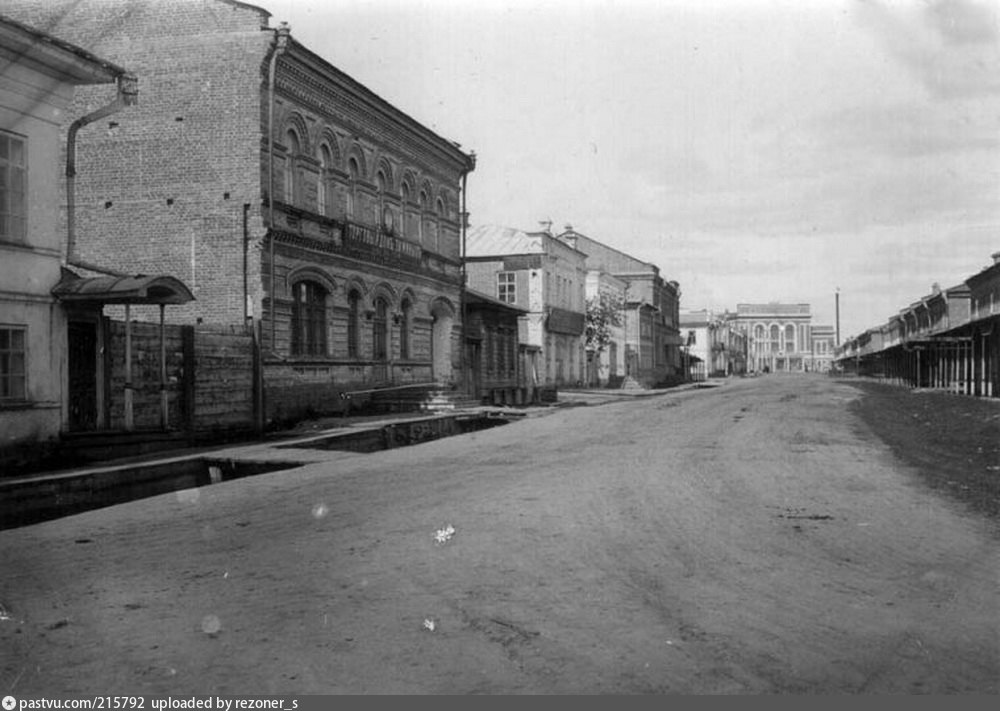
604 312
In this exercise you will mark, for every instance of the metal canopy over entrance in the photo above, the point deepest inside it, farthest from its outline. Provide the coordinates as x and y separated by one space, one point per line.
127 290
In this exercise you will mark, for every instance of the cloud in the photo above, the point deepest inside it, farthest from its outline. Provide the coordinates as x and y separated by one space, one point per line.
961 22
949 46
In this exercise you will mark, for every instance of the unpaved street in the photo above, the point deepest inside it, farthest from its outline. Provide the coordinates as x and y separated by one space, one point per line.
752 538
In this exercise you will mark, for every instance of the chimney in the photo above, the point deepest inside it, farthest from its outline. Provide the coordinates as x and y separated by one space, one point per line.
996 257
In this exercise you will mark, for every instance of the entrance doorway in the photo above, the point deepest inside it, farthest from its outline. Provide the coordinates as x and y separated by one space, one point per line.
83 401
444 320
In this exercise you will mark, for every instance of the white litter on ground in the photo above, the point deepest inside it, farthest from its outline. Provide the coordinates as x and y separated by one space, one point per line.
429 624
443 535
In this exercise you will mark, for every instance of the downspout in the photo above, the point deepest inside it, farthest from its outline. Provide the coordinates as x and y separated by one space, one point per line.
246 247
469 167
281 45
127 95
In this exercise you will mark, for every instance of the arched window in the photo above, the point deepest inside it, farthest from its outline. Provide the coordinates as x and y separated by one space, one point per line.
291 194
406 309
354 174
380 330
789 338
308 319
382 218
758 337
440 210
775 338
353 324
423 216
404 191
323 186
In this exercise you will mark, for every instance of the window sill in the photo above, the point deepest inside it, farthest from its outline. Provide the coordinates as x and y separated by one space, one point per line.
16 405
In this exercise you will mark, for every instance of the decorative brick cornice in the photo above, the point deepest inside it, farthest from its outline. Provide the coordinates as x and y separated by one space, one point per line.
328 91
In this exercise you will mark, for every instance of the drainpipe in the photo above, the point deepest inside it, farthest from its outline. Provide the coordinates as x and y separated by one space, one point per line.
127 95
469 167
280 46
246 287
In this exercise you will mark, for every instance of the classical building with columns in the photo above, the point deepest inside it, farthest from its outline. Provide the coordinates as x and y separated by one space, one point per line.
778 336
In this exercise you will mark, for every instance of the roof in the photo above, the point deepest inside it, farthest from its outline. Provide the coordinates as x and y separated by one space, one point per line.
773 308
139 289
478 298
694 318
488 240
23 44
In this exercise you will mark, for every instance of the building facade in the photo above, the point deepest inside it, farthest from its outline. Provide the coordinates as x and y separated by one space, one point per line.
38 77
714 345
947 339
496 366
652 310
824 344
544 276
778 336
697 332
292 200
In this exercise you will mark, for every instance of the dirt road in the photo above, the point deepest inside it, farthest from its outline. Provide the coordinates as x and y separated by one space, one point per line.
753 538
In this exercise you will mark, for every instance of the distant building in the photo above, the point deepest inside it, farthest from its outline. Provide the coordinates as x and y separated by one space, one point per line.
606 364
544 276
652 306
778 336
823 339
947 339
696 353
714 345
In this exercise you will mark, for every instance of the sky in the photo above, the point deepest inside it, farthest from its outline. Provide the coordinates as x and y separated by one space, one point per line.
754 150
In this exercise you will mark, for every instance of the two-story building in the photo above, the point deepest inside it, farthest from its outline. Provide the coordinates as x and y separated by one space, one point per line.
778 336
293 201
49 382
823 343
606 296
546 277
652 310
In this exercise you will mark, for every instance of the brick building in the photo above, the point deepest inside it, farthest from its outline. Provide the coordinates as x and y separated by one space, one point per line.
286 195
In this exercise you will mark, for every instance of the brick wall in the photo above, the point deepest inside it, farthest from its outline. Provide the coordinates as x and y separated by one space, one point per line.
161 185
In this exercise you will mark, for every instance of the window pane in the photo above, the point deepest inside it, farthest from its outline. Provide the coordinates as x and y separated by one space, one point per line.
4 147
17 180
17 364
17 340
16 151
